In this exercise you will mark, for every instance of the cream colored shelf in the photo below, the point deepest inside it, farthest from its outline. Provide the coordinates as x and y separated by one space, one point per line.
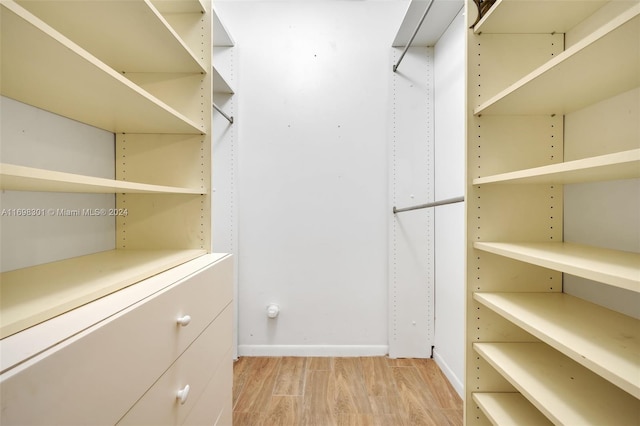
569 81
604 341
59 76
20 178
129 36
566 392
220 85
179 6
536 17
509 409
620 165
221 37
36 294
612 267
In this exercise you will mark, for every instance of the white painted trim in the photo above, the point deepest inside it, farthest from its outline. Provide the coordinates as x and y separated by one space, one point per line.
455 381
313 350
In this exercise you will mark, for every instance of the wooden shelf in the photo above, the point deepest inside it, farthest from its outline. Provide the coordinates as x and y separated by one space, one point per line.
59 76
620 165
179 6
509 408
604 341
221 37
36 294
569 81
129 36
566 392
612 267
220 85
535 17
20 178
435 24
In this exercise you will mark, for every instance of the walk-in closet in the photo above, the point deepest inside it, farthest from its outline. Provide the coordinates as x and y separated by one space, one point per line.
320 212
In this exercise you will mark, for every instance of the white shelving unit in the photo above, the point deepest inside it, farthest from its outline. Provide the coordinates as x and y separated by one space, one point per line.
438 19
536 354
598 338
560 388
134 72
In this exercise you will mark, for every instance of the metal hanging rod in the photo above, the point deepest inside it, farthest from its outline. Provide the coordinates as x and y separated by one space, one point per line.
223 113
434 204
395 67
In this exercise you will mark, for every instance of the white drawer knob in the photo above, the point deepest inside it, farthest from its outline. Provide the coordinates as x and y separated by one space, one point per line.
183 394
184 321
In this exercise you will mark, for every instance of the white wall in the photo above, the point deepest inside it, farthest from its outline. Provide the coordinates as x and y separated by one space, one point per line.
313 83
450 219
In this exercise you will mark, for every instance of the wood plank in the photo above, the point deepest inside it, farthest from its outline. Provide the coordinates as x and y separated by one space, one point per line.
619 165
565 391
284 410
418 403
612 267
241 368
21 178
378 377
569 82
74 282
76 84
319 401
320 363
291 375
509 409
602 340
258 388
350 391
445 396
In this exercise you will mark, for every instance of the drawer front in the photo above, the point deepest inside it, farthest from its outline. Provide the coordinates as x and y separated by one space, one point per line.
215 402
96 376
208 355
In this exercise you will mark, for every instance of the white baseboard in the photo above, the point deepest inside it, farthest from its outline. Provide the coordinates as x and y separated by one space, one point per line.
455 381
313 350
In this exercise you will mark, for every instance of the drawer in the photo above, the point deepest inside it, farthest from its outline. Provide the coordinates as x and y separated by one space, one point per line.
215 402
96 376
208 357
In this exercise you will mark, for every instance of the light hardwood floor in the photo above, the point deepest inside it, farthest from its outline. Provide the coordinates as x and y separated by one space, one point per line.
377 391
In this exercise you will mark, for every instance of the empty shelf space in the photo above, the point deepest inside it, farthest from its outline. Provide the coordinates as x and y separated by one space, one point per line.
21 178
602 340
36 294
220 85
509 409
619 165
129 36
569 81
536 17
566 392
612 267
59 76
